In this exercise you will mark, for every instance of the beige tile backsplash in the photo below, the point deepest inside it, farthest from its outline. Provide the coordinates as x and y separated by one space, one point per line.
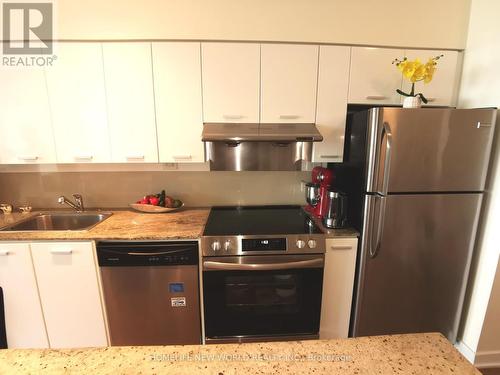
118 189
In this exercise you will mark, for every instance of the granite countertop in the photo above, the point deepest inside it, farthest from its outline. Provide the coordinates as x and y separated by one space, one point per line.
340 232
428 353
122 225
187 223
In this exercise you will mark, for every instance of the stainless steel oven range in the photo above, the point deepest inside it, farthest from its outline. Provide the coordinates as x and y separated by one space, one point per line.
262 274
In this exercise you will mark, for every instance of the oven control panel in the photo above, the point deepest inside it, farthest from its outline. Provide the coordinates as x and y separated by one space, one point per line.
252 245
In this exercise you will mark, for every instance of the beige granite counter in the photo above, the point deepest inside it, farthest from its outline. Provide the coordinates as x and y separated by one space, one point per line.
340 232
186 223
398 354
122 225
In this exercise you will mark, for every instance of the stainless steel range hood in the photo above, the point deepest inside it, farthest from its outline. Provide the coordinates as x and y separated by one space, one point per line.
258 147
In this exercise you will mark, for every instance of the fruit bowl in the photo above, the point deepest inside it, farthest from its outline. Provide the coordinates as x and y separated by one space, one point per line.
149 208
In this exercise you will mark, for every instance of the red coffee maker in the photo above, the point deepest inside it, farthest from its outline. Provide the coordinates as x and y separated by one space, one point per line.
317 191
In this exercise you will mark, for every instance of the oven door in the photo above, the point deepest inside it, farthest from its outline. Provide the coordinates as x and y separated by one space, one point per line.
254 298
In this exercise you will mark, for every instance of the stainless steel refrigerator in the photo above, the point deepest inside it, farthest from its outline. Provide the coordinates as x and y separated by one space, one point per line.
415 181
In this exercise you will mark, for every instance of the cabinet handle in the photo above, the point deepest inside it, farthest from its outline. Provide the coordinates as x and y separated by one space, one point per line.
232 117
341 247
62 251
329 156
483 125
84 157
28 158
4 252
376 97
289 117
135 157
182 157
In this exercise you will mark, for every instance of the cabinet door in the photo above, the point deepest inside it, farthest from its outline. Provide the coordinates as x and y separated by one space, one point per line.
374 79
231 82
25 125
177 82
338 283
77 100
23 313
67 280
129 95
289 76
442 89
331 111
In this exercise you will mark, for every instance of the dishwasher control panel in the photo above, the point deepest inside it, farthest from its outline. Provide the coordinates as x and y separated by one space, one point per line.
133 254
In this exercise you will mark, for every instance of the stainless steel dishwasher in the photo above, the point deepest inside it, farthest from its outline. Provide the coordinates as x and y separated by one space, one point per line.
151 292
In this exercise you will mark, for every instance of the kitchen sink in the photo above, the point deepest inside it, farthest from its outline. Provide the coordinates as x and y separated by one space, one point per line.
59 221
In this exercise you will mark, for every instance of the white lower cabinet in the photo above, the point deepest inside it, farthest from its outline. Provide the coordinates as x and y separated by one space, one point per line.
69 292
23 313
338 284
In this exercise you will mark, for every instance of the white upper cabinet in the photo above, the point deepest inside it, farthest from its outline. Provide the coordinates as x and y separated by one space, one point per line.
25 125
331 110
23 312
69 291
231 73
177 83
373 78
441 91
129 94
288 83
78 104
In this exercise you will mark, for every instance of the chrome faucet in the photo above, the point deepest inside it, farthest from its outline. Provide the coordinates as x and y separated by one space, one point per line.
78 205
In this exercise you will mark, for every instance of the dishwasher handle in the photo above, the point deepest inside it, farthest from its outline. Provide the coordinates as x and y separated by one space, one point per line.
130 254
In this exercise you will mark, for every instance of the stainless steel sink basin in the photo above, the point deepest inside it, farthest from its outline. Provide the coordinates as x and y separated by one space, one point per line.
59 221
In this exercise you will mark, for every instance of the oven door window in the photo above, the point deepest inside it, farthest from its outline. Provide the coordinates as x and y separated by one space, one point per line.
262 302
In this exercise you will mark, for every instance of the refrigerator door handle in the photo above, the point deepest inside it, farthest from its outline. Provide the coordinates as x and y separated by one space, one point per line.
387 162
378 227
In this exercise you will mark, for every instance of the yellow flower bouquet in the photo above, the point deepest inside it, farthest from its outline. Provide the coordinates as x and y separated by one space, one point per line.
416 71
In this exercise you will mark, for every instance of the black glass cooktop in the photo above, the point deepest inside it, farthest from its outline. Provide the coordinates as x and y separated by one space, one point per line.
256 220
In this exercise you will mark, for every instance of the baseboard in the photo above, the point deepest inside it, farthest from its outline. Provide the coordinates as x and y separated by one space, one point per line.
467 352
489 358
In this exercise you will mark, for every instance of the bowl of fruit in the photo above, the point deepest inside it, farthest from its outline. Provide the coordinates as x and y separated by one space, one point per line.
157 203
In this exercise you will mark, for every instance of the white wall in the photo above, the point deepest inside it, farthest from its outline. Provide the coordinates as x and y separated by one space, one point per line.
481 88
488 351
428 24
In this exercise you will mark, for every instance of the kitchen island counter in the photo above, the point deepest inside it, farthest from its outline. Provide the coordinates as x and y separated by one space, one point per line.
427 353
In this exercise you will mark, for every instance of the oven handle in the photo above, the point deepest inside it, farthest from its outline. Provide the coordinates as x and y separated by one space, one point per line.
223 266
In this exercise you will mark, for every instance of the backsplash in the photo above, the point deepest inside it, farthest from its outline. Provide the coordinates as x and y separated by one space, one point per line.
118 189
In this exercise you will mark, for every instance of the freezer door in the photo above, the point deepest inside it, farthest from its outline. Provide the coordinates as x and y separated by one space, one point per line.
428 149
414 281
